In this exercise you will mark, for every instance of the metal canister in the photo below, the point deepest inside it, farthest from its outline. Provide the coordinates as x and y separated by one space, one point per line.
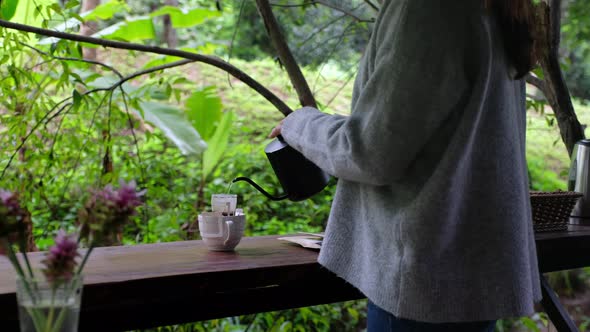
579 181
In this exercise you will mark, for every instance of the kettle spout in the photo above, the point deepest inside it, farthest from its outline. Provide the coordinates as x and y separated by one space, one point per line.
259 188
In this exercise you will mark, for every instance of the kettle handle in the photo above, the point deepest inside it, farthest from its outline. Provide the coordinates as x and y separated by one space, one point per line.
259 188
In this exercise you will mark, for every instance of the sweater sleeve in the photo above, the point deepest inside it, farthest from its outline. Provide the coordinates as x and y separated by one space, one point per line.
418 80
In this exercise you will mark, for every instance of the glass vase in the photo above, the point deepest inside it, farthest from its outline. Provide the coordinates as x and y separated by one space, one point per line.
49 306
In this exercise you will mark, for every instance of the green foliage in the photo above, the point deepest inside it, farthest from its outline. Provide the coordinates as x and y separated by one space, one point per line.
204 108
136 28
530 324
543 179
348 316
132 29
185 18
316 34
105 11
576 47
174 124
64 123
8 9
69 125
217 144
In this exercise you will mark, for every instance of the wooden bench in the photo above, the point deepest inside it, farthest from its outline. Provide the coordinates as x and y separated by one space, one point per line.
135 287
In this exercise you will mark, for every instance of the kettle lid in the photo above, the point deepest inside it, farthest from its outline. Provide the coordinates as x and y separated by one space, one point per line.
279 144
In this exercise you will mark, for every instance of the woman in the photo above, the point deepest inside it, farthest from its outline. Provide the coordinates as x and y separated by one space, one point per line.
431 219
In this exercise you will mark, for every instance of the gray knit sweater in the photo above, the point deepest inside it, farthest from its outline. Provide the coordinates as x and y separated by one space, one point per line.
431 218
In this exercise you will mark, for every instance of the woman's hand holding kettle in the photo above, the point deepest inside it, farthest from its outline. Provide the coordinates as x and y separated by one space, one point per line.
299 177
276 130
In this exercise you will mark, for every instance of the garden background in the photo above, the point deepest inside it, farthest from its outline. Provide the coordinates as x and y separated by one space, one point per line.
67 124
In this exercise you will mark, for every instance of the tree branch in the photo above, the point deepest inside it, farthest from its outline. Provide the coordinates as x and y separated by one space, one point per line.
123 80
92 62
210 60
555 27
332 6
233 37
320 30
149 71
67 106
30 133
372 5
537 83
557 92
306 97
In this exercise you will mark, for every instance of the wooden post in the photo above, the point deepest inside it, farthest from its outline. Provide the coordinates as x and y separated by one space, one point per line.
89 28
169 34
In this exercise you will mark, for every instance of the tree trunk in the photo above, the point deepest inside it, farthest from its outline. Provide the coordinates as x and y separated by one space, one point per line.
306 97
556 90
30 245
169 35
89 28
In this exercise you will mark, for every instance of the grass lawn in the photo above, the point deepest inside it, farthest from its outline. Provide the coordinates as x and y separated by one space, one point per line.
547 156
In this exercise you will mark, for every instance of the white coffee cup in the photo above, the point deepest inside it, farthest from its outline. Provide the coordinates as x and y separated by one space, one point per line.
225 203
219 232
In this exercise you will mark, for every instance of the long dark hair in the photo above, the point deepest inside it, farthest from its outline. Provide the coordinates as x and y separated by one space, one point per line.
516 19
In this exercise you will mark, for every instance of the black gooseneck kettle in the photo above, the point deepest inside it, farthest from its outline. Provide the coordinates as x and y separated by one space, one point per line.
299 177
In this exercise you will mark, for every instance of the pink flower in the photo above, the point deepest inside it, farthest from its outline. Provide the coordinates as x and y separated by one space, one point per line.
107 211
127 197
60 260
9 200
11 213
107 194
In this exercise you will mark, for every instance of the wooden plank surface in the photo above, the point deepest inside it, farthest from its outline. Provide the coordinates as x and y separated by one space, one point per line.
559 251
151 285
132 287
126 263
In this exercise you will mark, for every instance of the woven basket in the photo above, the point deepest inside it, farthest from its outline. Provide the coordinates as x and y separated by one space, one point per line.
551 210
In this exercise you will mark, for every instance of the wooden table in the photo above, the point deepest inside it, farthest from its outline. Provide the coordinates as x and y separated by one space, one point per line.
134 287
558 251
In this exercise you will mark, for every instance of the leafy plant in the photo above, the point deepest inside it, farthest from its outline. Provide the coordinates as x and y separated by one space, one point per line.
67 124
101 218
8 9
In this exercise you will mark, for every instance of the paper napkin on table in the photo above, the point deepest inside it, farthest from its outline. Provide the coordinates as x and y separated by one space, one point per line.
309 240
